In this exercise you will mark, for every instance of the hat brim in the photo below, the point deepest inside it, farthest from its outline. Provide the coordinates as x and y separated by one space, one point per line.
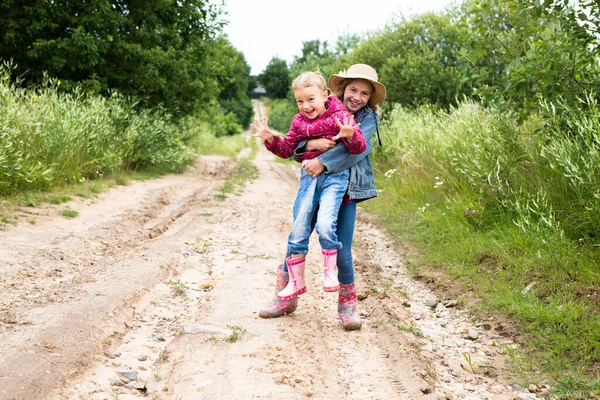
335 81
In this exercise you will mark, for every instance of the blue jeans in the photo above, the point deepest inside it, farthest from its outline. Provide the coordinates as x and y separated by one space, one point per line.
345 232
317 206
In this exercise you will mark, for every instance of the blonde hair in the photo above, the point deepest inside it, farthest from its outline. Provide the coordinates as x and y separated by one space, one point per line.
341 88
310 79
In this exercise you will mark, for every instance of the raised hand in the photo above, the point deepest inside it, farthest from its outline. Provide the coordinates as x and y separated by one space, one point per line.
262 130
347 128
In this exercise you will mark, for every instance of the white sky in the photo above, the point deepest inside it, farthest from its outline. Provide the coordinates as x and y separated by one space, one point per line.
263 29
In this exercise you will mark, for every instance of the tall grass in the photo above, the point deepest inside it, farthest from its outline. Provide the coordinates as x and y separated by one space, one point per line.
48 138
510 211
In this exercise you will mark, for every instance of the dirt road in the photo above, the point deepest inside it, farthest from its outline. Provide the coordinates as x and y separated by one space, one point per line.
154 291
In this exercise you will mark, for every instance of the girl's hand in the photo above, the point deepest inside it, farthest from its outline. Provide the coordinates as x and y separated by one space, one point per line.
263 130
321 144
346 128
314 167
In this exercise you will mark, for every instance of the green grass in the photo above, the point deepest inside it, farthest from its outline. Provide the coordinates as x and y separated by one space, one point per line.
236 333
68 213
245 172
487 213
58 198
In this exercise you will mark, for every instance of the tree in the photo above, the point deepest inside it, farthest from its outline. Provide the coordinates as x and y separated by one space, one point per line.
160 52
276 79
234 96
523 51
418 59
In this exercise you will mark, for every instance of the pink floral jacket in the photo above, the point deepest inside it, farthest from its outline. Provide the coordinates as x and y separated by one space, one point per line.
324 126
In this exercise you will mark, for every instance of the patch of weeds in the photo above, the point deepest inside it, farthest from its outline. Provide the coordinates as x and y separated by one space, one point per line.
58 198
201 247
236 333
156 377
373 287
206 214
163 356
411 328
178 286
32 221
246 171
122 179
4 219
220 196
472 364
68 213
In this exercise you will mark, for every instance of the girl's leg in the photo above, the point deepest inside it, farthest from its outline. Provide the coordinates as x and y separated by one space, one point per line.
347 301
278 307
333 188
345 232
288 252
332 192
305 207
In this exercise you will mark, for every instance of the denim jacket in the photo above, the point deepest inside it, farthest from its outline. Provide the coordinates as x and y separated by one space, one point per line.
362 181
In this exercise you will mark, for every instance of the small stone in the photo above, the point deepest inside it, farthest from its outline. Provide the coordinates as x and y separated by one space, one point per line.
431 303
472 334
451 303
526 396
129 375
108 353
116 382
533 388
469 367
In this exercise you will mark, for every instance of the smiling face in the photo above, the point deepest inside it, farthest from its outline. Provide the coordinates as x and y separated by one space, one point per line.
310 101
357 95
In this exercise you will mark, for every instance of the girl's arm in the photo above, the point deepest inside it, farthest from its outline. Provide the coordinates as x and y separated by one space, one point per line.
339 159
283 148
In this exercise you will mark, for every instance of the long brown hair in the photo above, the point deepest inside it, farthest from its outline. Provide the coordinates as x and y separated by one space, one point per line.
339 91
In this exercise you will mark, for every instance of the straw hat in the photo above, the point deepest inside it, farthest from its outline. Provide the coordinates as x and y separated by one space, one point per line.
360 71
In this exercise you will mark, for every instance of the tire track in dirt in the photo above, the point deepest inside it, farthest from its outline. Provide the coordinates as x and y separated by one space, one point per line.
67 283
303 355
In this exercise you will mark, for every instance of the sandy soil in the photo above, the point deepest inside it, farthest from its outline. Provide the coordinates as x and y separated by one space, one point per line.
154 291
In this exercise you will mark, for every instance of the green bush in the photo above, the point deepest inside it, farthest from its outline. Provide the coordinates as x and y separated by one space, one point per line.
49 138
280 115
241 108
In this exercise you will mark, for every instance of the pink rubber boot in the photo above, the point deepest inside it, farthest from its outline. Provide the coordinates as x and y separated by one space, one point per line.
277 308
296 285
331 283
347 307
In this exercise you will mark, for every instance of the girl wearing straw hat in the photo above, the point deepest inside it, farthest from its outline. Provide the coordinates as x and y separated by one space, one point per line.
361 93
319 198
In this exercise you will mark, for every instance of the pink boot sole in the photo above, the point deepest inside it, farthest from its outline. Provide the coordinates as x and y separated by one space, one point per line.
293 295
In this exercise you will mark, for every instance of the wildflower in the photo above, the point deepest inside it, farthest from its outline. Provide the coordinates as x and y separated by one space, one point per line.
58 82
176 140
35 97
388 174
